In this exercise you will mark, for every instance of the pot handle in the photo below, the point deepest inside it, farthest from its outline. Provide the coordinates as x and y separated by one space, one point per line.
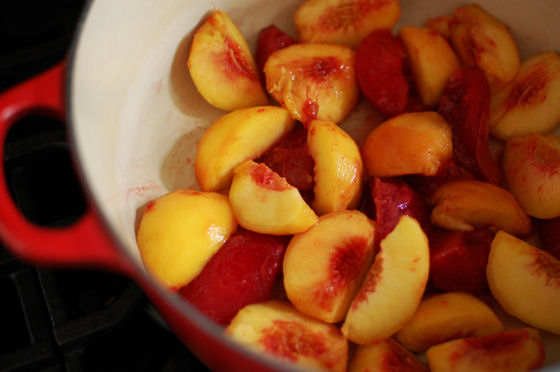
84 243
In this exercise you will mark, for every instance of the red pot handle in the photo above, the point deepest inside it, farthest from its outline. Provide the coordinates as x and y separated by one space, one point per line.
84 243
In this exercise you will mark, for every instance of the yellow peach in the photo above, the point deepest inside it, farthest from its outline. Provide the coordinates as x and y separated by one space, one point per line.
277 329
325 265
385 356
313 81
468 204
445 317
344 22
222 67
483 41
531 165
338 171
411 143
180 231
264 202
235 137
525 281
432 61
516 350
529 103
393 286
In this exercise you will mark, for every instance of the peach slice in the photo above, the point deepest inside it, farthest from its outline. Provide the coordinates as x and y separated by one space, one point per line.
432 61
411 143
313 81
482 41
529 103
264 202
325 265
338 171
235 137
385 356
344 22
222 66
445 317
525 281
277 329
180 231
531 166
393 286
508 351
469 204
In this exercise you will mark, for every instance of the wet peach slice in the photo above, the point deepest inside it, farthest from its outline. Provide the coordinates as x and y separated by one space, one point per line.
222 67
264 202
531 166
325 265
411 143
277 329
529 103
509 351
525 281
482 41
445 317
344 22
385 356
432 61
338 171
468 204
235 137
393 286
180 231
313 81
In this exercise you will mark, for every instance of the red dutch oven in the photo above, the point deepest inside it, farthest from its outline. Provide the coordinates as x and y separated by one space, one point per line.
134 119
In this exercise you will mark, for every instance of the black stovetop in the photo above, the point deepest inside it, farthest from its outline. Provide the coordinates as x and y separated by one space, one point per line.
64 319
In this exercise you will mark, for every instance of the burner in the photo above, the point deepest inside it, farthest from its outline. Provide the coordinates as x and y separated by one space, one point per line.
64 319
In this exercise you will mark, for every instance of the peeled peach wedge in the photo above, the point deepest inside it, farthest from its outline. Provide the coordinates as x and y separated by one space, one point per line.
338 171
393 286
432 61
344 22
264 202
447 316
277 329
529 103
525 281
481 40
410 143
235 137
313 81
324 266
467 204
222 66
516 350
531 166
385 356
180 231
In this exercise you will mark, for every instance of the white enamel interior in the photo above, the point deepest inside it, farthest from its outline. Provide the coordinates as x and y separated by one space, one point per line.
137 117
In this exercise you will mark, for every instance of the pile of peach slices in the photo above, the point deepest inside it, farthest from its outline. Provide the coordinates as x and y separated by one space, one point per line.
402 250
